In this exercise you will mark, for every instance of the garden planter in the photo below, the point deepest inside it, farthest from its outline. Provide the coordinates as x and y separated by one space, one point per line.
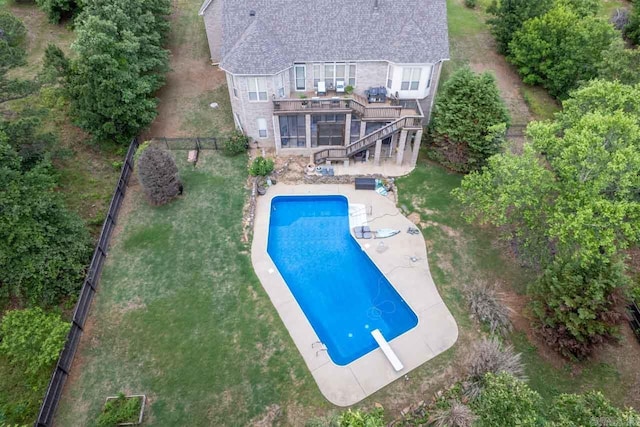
141 397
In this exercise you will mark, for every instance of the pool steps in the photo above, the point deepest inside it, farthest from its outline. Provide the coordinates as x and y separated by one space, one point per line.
386 349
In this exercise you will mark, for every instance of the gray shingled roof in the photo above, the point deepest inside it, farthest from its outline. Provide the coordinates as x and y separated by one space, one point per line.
287 31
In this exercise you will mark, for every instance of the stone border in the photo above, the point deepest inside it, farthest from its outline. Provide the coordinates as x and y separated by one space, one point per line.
436 330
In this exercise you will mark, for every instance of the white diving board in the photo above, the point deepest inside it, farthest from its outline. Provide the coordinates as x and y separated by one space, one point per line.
386 349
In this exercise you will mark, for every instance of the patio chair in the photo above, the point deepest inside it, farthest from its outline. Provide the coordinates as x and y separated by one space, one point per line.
340 86
322 89
362 232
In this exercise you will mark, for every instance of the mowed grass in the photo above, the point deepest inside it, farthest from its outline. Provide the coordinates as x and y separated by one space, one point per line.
181 317
462 254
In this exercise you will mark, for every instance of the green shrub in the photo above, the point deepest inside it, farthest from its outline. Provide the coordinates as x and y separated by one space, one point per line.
471 4
469 121
44 248
359 418
261 166
573 410
506 401
120 410
236 143
32 339
576 306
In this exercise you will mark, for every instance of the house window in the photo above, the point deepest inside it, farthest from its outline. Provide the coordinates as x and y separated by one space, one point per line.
293 131
332 72
410 78
317 74
390 77
262 128
300 75
235 87
329 70
257 89
340 72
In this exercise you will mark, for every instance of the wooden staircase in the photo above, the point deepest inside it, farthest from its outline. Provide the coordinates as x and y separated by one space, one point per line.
366 142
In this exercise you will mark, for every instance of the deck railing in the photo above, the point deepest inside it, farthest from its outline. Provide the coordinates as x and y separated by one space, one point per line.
356 104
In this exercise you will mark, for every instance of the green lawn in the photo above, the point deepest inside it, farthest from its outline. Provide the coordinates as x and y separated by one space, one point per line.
181 316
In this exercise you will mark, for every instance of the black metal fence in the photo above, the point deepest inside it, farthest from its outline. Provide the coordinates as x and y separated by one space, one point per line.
198 143
61 371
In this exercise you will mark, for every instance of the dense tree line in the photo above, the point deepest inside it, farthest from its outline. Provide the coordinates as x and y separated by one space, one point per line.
118 66
571 202
560 44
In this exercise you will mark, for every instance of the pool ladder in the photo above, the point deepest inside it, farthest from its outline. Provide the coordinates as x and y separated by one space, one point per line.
323 347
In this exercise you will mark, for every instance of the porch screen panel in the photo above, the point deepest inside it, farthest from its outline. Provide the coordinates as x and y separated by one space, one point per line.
292 131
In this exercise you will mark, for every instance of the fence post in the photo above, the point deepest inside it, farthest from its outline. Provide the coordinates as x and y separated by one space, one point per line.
215 142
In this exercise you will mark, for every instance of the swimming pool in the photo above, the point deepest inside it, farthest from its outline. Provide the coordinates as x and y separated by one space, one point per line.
341 291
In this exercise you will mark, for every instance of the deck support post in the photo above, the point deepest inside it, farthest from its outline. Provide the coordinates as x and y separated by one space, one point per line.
401 146
276 133
363 128
307 132
376 156
416 147
347 129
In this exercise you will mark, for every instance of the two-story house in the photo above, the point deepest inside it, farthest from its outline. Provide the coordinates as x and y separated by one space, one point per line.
341 80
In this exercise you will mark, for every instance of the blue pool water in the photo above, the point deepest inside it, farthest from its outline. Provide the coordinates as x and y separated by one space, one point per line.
339 288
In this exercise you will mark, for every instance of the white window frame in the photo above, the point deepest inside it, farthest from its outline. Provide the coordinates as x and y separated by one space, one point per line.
255 83
414 75
262 129
390 77
234 86
304 78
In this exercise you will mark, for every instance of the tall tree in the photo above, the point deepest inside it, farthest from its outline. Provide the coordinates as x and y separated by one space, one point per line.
120 63
620 63
560 49
509 15
469 121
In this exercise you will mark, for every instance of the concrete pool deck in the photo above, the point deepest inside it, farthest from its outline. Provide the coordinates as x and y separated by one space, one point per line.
436 330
